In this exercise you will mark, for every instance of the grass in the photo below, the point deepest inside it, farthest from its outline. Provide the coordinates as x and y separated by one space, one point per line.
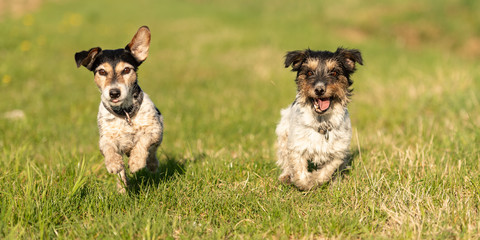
215 71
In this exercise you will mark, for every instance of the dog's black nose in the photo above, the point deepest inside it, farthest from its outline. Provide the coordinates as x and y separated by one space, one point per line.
320 89
114 93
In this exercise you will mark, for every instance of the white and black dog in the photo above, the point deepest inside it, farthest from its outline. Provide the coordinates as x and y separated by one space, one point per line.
128 121
314 132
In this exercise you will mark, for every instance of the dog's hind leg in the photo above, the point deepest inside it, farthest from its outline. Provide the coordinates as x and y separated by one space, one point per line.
283 154
122 181
285 165
152 161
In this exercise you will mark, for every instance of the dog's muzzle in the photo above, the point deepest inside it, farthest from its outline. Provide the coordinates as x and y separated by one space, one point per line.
114 94
321 103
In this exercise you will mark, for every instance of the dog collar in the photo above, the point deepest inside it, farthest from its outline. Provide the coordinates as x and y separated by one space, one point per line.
325 131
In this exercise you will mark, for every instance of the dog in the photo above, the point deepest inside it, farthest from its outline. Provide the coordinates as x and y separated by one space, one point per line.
128 121
314 133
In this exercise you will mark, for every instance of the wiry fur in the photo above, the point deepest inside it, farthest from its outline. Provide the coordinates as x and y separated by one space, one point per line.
128 121
314 132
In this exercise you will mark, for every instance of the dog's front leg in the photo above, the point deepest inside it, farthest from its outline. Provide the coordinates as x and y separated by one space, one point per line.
325 174
114 164
140 153
301 177
113 159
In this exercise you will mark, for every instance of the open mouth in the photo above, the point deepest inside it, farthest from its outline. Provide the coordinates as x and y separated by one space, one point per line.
321 105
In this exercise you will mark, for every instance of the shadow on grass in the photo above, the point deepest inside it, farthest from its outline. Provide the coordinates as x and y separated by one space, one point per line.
348 167
169 168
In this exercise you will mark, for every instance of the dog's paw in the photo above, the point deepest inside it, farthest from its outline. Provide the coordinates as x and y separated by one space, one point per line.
114 166
285 178
135 166
305 185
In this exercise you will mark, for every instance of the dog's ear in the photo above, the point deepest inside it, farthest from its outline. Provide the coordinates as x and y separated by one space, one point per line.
86 58
140 44
349 57
295 59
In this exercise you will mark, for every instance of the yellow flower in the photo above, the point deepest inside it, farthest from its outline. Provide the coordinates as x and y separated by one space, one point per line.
6 79
25 45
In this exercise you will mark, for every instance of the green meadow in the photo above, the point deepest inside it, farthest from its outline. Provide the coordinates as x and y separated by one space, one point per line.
215 71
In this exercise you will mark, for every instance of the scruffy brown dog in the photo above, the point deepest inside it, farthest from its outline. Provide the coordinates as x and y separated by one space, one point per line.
314 132
128 121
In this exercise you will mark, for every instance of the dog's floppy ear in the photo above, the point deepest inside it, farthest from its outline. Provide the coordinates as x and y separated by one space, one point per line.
86 58
349 57
140 44
295 59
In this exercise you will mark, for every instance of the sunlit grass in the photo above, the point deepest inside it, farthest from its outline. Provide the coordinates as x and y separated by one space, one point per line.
215 71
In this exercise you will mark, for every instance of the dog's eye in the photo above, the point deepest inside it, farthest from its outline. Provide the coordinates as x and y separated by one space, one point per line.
309 73
126 70
102 72
333 73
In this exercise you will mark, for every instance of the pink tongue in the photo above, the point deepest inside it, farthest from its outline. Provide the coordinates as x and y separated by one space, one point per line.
324 104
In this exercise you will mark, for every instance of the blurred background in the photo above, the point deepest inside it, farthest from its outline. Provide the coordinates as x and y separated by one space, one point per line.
215 70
